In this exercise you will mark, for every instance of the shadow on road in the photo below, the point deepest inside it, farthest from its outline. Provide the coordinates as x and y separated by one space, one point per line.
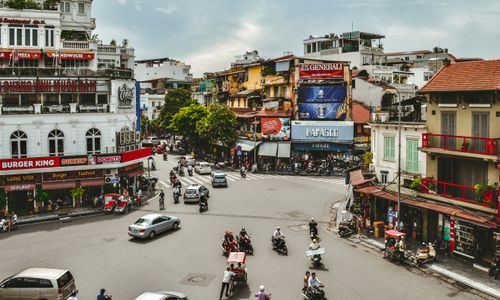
148 240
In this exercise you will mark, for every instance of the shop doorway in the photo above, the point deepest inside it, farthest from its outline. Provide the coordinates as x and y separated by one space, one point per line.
19 201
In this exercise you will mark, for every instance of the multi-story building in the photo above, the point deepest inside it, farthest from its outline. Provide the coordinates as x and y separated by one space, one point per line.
162 68
358 48
62 111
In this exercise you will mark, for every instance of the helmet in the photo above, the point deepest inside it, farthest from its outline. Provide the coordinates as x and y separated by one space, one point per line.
278 228
261 288
312 219
243 229
315 241
226 232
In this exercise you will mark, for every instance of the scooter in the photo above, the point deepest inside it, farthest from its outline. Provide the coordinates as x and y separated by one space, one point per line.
494 270
203 206
243 174
138 200
426 254
279 245
181 172
190 171
245 244
315 293
346 229
165 156
176 195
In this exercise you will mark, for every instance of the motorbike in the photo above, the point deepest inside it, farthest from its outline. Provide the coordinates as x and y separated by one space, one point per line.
346 229
315 257
279 245
165 156
229 247
494 270
243 174
203 206
245 244
138 200
162 203
426 254
176 194
181 172
314 293
311 169
190 171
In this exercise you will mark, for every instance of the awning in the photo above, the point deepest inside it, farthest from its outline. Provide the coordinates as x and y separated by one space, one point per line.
284 149
320 146
268 149
92 182
84 55
57 185
357 177
476 218
136 173
246 93
21 54
246 145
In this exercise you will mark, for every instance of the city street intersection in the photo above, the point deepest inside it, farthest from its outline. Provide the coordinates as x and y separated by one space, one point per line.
99 253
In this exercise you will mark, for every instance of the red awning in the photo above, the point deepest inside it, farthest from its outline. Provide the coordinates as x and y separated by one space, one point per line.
136 173
92 182
71 55
21 54
58 185
476 218
357 178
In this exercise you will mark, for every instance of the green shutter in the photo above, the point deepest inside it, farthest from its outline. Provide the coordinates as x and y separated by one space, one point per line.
412 156
389 148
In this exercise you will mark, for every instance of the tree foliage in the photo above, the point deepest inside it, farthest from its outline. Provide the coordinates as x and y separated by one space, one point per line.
174 101
22 4
184 122
219 125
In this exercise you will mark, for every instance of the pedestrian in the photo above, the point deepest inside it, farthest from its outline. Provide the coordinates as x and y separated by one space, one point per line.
101 295
262 295
306 280
225 282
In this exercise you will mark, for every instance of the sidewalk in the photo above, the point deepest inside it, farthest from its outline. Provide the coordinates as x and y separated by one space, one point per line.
62 215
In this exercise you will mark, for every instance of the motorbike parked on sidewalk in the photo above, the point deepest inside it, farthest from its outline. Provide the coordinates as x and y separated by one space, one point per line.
346 229
494 270
314 293
279 245
425 255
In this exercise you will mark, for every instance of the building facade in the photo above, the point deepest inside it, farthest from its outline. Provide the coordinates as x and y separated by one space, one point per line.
160 68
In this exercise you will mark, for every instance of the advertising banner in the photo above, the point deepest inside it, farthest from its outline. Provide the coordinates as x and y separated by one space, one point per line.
108 159
29 163
78 160
322 111
137 154
277 129
319 131
321 71
322 93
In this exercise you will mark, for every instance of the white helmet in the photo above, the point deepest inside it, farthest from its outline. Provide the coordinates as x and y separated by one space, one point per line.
261 288
278 228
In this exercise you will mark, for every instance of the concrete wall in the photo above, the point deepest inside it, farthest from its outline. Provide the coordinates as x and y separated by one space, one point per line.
254 78
367 93
166 69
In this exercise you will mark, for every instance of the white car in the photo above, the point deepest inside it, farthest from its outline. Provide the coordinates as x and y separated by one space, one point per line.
202 168
167 295
153 224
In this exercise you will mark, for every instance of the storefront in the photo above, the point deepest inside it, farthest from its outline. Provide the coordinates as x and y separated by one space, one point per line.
274 152
321 139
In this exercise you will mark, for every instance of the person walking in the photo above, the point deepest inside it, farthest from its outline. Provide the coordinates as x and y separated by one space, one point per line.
226 279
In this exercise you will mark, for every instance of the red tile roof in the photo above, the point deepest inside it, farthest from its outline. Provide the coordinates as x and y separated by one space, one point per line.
360 113
408 52
466 76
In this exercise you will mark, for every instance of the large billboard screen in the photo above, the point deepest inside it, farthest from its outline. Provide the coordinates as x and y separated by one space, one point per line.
276 129
321 71
322 111
322 93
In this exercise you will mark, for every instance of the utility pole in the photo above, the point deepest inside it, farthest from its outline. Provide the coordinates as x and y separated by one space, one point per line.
398 217
254 140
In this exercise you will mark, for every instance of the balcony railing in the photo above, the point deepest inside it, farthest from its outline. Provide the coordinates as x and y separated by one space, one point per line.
483 197
468 144
81 45
62 71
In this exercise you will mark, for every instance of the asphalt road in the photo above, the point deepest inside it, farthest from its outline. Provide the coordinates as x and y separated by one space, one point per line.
99 252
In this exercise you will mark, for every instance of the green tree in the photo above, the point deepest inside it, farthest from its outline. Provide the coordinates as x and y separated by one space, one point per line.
145 125
174 101
184 122
113 42
125 43
219 125
22 4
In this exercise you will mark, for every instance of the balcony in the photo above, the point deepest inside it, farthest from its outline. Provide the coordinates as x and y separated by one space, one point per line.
461 145
64 72
486 196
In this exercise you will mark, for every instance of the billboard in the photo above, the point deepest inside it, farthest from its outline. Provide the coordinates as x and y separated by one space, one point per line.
322 93
276 129
320 131
322 111
321 71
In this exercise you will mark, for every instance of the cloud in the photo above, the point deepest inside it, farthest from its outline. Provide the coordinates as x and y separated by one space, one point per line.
167 10
138 5
122 2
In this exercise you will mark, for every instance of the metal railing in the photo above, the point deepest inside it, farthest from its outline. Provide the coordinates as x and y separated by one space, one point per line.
468 144
63 72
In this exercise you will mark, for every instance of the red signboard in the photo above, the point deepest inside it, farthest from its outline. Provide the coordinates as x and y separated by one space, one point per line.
136 154
66 55
48 86
276 128
321 71
21 21
20 55
20 187
29 163
109 159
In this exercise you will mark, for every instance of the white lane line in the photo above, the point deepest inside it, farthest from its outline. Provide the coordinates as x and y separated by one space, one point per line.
231 176
185 179
204 179
197 180
259 176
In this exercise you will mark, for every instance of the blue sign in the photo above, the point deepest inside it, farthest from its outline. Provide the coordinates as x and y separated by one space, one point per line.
322 111
322 93
323 131
239 152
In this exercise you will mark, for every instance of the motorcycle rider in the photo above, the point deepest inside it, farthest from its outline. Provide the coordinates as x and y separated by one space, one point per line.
190 170
204 200
277 235
162 199
101 295
313 228
314 245
262 295
243 171
314 284
244 235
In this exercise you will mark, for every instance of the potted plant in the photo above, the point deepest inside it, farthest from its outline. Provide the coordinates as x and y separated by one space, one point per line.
77 193
40 198
478 189
416 184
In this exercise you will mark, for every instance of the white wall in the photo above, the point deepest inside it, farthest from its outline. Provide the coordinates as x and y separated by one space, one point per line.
368 93
378 131
165 69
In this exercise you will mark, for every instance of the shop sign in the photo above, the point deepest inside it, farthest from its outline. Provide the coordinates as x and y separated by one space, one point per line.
72 175
321 71
78 160
48 86
20 187
130 169
64 55
98 108
29 163
21 21
57 108
20 55
323 131
125 96
109 159
137 154
322 111
275 129
18 108
19 179
322 94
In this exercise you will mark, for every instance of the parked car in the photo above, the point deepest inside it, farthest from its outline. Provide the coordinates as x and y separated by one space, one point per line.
194 192
150 225
163 295
219 179
202 168
38 283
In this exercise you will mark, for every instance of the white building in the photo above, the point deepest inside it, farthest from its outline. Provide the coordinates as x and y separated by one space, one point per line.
359 48
384 146
162 68
66 121
151 105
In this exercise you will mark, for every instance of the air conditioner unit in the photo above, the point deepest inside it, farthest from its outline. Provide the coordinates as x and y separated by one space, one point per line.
109 178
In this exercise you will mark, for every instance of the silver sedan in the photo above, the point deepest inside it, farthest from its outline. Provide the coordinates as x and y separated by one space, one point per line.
168 295
151 225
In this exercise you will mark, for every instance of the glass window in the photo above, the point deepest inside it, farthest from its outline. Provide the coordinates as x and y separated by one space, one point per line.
50 99
93 141
10 100
389 149
383 176
56 143
15 283
102 99
35 37
412 155
27 37
30 283
19 36
87 99
12 36
18 142
29 99
81 8
66 99
45 283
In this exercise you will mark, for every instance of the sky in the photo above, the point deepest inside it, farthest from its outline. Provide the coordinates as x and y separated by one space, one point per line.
209 34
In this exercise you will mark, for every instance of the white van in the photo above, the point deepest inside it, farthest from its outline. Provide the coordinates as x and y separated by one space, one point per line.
38 283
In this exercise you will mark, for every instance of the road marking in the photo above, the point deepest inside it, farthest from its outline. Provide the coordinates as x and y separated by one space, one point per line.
189 181
259 176
197 180
231 177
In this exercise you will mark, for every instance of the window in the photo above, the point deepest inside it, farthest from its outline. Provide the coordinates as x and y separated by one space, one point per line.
93 141
384 176
18 143
45 283
56 143
66 7
15 283
49 37
26 35
81 8
412 156
314 47
30 283
102 99
308 48
389 142
407 58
